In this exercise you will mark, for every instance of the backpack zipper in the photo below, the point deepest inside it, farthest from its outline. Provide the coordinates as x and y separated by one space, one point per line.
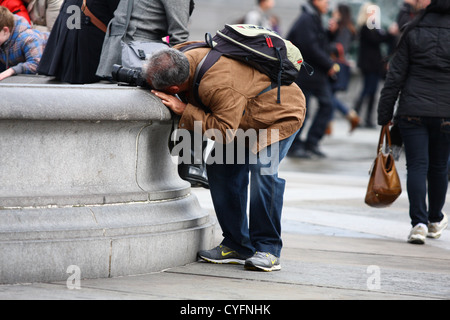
269 41
246 47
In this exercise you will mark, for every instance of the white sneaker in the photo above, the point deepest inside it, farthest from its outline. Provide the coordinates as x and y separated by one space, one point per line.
435 229
418 234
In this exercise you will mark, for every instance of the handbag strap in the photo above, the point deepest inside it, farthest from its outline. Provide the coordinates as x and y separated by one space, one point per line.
385 135
95 21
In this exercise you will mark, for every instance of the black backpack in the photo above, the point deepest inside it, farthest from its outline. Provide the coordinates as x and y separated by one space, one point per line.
261 48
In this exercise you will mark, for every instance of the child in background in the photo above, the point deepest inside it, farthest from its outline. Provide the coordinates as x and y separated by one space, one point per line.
20 46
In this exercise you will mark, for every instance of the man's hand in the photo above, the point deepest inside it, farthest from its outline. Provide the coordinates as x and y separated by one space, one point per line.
171 102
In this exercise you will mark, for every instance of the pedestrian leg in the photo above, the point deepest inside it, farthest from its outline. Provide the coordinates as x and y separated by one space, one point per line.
229 188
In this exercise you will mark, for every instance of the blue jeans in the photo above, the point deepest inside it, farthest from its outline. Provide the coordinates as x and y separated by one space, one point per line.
427 149
229 191
339 105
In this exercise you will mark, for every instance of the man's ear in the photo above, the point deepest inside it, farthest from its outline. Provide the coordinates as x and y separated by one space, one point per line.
173 89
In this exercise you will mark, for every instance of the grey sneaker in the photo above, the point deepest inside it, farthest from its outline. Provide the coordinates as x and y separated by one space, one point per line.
418 234
263 261
435 229
221 255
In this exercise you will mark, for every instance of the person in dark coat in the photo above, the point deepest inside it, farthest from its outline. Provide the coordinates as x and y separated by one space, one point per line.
370 62
420 74
73 52
309 35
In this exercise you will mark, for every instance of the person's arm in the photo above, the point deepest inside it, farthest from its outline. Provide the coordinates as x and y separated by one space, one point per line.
177 13
31 46
7 73
226 106
396 77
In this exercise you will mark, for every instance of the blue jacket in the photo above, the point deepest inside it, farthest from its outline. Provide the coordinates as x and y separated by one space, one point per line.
23 50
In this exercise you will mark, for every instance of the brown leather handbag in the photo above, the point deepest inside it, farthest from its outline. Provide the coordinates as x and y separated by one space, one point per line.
384 184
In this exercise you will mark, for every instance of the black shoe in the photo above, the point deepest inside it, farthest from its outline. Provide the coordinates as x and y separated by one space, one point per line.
195 174
298 151
299 154
314 150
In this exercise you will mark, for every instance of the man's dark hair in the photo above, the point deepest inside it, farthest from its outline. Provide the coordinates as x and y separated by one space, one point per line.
165 68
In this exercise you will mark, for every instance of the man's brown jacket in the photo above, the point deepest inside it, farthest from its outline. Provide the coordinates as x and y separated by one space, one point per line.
230 90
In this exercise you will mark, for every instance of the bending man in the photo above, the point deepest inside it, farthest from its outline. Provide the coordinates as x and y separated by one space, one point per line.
230 91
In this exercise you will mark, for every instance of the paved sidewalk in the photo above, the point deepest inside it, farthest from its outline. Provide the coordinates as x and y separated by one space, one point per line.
335 247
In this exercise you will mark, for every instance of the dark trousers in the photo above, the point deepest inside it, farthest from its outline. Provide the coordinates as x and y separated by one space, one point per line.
229 191
369 91
427 149
322 117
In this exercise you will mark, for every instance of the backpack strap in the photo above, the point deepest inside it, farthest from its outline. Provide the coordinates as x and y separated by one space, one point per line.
279 74
207 62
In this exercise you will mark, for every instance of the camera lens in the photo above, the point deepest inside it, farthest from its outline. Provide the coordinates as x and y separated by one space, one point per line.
115 71
129 76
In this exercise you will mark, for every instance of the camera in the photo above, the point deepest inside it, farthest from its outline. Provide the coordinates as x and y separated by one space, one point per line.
127 76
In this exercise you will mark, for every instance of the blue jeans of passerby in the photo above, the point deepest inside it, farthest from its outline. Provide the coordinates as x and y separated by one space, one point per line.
339 105
427 149
323 116
229 191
